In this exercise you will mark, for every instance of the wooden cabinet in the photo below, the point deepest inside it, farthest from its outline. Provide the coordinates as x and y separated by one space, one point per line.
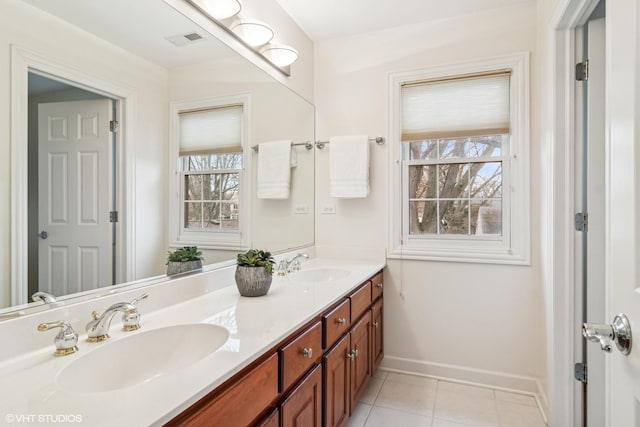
361 357
254 392
336 322
303 406
298 356
377 336
337 370
290 387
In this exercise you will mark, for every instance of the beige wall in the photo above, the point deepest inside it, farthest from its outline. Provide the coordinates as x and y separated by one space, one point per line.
58 42
455 319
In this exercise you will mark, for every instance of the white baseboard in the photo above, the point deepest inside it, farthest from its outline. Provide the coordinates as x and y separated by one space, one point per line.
492 379
543 402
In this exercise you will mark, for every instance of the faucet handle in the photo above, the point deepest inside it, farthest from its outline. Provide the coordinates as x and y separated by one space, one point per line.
66 340
282 268
295 266
131 319
138 299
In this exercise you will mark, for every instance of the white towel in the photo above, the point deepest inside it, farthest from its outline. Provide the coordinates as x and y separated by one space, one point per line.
274 170
349 166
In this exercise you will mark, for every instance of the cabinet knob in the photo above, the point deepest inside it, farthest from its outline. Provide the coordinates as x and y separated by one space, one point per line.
350 355
341 320
376 324
379 285
355 352
307 352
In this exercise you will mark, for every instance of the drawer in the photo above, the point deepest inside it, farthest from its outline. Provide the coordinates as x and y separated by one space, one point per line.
336 322
298 356
238 405
376 286
360 300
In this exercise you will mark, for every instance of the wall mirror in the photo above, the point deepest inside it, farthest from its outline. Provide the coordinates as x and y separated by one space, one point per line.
139 65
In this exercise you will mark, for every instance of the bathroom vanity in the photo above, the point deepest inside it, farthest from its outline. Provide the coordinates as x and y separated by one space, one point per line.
207 356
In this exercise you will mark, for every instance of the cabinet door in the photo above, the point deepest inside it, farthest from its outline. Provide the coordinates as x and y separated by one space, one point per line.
360 362
377 352
303 406
336 383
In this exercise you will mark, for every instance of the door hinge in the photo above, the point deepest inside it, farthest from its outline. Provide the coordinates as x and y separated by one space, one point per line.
582 71
581 221
113 216
113 125
580 370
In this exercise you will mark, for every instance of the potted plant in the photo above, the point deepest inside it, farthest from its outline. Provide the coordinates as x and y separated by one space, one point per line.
184 260
254 272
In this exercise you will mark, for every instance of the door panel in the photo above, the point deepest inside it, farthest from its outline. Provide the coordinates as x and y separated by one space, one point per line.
74 195
623 210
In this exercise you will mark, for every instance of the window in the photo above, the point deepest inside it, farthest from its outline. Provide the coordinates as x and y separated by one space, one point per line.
209 190
459 186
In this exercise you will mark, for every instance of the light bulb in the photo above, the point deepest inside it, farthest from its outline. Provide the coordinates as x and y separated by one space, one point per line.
253 32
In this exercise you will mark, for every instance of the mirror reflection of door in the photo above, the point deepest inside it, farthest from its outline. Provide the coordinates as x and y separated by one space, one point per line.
71 173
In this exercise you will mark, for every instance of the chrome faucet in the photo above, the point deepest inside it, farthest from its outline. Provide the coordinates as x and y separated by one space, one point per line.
45 297
66 340
98 328
287 266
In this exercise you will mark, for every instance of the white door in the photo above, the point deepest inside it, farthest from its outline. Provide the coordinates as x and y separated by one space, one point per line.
74 196
622 401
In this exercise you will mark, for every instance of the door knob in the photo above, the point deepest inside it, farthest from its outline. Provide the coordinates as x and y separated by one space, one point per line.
619 332
43 235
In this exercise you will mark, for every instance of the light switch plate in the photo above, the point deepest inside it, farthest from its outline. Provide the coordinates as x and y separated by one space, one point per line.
301 209
328 209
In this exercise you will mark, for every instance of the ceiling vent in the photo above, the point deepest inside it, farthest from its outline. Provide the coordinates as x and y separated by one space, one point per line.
185 39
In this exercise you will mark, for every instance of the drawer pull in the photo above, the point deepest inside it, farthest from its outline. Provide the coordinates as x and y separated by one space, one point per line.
341 320
379 285
376 324
307 352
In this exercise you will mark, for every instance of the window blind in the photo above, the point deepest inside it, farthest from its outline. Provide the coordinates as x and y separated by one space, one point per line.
211 131
456 107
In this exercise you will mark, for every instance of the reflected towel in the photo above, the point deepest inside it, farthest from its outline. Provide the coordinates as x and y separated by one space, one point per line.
274 170
349 166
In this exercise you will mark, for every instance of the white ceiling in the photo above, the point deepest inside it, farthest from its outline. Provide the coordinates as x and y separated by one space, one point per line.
326 19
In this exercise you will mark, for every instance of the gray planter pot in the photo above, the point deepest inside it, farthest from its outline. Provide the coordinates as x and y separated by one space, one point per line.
176 267
252 281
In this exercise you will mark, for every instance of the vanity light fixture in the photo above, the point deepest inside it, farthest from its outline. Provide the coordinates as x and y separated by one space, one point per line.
279 54
252 31
220 9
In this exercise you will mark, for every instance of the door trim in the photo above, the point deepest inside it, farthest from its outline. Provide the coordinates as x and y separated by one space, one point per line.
24 61
558 250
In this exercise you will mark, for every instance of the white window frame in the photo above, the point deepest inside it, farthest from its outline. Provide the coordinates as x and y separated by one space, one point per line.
514 247
221 240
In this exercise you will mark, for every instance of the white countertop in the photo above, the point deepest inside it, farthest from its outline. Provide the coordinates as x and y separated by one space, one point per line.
30 395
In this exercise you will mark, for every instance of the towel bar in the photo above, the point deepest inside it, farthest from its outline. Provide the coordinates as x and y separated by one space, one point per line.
308 145
378 140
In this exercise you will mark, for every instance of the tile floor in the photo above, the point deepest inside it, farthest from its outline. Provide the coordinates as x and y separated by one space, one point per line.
399 400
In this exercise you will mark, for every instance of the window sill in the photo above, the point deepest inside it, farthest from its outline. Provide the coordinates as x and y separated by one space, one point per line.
477 256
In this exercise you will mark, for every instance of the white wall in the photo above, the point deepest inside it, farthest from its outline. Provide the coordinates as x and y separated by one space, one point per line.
48 37
451 319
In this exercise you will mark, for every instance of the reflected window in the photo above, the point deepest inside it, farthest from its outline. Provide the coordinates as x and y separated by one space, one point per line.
210 188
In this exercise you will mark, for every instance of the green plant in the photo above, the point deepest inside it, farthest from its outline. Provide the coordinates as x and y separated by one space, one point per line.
184 254
257 258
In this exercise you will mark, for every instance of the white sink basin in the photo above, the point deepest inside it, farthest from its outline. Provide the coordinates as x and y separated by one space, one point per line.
320 275
141 357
